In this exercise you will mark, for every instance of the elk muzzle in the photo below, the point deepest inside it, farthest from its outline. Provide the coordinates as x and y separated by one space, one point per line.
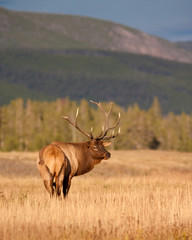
107 155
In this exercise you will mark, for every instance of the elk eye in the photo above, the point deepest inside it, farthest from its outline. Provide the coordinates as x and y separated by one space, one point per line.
95 148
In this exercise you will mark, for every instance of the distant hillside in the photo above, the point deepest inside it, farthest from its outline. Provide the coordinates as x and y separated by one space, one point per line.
51 31
99 75
186 45
49 56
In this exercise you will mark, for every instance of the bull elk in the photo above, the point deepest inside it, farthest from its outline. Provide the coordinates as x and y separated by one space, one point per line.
59 162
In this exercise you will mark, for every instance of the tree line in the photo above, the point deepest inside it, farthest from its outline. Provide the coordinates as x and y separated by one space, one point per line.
27 126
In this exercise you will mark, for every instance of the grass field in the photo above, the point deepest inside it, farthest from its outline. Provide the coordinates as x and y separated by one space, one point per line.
134 195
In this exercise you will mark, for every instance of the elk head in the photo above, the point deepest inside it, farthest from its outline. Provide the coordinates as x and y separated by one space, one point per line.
97 149
96 145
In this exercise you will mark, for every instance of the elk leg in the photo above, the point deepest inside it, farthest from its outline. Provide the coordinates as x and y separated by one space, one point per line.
58 187
49 186
59 180
66 186
47 178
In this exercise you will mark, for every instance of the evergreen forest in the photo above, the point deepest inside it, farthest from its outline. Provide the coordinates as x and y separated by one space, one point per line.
29 125
103 75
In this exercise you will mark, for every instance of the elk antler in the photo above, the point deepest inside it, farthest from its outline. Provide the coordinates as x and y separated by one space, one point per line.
103 135
106 129
74 123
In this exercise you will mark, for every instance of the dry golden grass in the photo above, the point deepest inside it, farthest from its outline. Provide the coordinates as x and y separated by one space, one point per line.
135 195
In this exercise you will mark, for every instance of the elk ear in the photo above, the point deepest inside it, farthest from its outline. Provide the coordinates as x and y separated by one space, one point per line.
106 144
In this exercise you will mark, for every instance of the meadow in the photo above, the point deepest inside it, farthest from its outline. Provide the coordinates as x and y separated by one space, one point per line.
140 194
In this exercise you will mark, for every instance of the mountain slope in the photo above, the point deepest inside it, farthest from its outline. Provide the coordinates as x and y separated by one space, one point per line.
45 57
187 45
51 31
99 75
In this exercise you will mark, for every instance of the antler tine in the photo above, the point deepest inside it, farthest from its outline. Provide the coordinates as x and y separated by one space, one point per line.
91 132
106 115
107 128
110 128
77 113
74 123
113 135
99 105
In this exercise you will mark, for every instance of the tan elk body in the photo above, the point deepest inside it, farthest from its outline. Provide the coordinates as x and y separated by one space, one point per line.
59 162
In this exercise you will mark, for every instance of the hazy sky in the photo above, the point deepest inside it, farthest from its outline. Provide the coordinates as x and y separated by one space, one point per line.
169 19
